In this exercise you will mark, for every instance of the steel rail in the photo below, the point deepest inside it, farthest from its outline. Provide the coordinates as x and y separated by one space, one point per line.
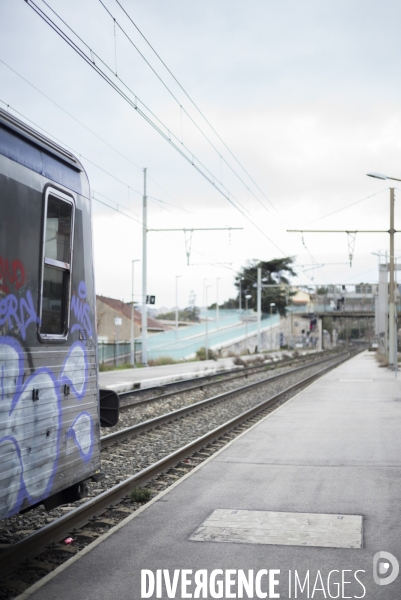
128 432
237 374
55 531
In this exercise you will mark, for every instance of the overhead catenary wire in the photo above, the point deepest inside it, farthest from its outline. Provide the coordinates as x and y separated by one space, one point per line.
199 167
91 62
197 108
167 134
182 109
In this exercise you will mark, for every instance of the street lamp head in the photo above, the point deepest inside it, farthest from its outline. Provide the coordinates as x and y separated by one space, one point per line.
272 304
377 175
381 176
248 296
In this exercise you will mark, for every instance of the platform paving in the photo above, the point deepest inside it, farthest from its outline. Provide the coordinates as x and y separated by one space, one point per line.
335 449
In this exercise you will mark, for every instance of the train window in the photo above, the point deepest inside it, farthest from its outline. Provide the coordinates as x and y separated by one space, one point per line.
56 274
55 291
58 230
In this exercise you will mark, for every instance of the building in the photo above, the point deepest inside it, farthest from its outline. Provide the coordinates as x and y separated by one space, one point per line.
108 309
300 297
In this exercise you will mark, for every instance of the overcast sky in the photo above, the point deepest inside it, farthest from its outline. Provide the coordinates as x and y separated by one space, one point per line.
305 94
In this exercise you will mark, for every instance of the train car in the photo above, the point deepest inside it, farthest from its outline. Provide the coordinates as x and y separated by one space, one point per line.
49 395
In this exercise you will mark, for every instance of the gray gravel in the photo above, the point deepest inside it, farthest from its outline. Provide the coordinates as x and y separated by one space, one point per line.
138 414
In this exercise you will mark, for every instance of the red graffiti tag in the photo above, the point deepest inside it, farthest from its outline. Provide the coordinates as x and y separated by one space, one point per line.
11 272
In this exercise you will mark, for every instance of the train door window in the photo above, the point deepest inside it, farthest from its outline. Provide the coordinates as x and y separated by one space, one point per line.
57 259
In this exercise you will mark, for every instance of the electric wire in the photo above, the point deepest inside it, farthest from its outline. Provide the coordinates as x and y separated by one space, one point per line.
137 220
206 174
136 217
90 61
196 107
167 136
345 207
90 131
180 105
73 150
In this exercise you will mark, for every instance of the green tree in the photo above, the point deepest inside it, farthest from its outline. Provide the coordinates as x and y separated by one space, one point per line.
274 273
231 303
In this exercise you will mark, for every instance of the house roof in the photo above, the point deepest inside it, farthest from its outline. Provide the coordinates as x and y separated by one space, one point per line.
300 297
125 310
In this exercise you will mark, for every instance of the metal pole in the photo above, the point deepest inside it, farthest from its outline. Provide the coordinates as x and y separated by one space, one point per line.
240 296
206 327
292 327
271 330
246 325
217 303
259 305
391 311
144 306
176 305
395 345
133 317
117 326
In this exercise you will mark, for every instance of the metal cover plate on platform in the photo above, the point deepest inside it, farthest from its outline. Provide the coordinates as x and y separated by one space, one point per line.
281 528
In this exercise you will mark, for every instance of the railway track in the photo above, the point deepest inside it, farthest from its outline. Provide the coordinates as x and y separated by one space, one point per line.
186 457
135 398
122 434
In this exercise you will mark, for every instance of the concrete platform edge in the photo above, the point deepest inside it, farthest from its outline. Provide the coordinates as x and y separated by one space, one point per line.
146 383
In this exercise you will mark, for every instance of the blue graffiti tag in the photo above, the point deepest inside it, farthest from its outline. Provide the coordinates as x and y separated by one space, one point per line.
81 310
28 424
19 313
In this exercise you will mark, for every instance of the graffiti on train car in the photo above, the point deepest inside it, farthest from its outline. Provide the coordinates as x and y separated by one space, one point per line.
18 313
31 419
11 272
81 310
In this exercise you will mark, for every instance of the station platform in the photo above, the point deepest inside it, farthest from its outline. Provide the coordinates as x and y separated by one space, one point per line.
124 380
311 494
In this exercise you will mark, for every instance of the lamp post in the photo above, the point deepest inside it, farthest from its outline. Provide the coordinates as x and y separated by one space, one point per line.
133 316
176 305
247 297
392 351
206 325
271 324
241 279
217 302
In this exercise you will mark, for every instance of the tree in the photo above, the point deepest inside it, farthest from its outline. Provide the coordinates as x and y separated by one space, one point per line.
274 273
231 303
191 313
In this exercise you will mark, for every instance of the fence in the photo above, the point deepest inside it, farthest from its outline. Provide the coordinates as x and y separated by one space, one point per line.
113 353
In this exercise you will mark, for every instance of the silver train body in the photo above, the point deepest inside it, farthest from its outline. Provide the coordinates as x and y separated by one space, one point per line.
49 396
